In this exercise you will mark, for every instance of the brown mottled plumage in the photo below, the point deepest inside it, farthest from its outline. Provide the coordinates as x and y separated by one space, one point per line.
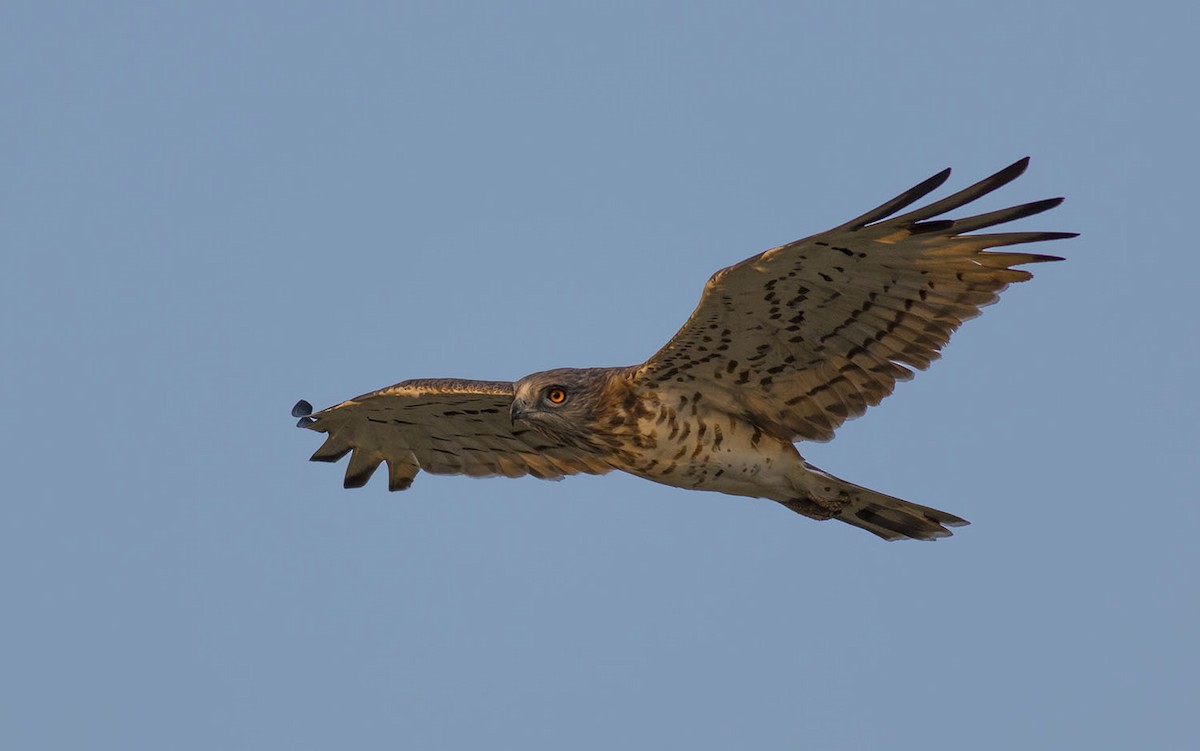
784 346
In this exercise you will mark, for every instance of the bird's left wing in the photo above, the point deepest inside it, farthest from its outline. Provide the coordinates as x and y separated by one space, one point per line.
443 426
807 335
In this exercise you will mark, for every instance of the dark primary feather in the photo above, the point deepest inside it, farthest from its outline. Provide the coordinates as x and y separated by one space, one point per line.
962 197
904 200
802 337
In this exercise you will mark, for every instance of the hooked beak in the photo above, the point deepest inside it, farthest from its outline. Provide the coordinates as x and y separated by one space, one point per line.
517 411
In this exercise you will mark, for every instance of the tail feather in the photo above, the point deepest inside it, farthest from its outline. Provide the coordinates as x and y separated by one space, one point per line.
882 515
895 519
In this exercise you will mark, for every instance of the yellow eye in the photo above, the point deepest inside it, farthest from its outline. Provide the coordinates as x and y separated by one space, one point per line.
556 395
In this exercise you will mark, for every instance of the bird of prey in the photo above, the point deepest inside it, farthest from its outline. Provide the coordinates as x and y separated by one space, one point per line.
783 347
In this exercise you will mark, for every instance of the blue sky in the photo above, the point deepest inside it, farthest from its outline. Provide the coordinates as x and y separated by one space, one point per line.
212 210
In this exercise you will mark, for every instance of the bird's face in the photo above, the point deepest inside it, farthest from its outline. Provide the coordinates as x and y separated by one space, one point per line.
558 403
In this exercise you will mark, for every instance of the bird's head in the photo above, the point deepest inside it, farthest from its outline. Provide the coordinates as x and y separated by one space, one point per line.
563 403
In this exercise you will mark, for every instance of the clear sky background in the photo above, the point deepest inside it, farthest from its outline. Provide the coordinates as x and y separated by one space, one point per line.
210 210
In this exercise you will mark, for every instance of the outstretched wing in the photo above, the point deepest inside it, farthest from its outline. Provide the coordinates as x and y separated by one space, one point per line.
807 335
443 426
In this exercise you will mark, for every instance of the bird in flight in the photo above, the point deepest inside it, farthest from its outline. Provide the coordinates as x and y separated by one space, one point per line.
783 347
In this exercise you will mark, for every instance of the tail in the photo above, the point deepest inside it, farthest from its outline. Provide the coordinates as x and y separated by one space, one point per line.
882 515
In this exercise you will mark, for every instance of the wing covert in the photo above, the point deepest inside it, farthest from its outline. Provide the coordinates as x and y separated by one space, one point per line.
805 336
442 426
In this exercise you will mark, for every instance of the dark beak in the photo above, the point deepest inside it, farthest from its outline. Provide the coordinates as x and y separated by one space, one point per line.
517 412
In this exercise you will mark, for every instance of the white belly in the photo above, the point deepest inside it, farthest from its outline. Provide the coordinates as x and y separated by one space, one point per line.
720 453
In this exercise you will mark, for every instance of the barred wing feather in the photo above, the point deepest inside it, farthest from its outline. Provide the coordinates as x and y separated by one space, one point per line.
442 426
805 336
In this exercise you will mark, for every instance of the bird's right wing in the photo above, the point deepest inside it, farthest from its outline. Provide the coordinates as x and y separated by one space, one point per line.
443 426
807 335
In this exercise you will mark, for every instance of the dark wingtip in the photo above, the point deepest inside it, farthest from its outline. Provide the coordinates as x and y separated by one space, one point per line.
1012 171
931 184
304 422
1037 207
1006 175
358 479
905 199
